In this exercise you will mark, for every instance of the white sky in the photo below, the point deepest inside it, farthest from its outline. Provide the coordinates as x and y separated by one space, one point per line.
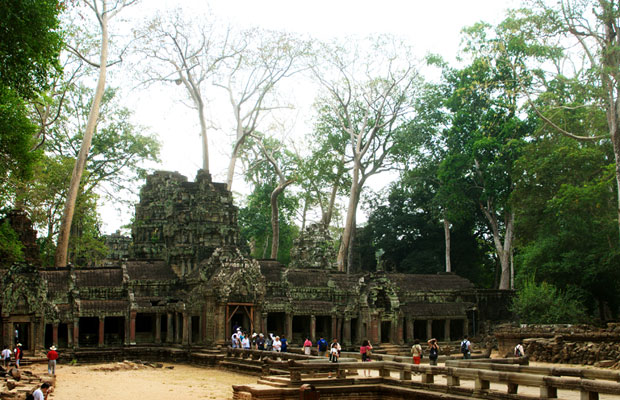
430 27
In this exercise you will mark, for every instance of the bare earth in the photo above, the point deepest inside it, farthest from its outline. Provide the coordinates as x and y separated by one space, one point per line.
90 382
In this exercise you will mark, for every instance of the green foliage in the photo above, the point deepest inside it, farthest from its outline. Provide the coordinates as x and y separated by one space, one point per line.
255 223
566 220
10 245
543 303
30 43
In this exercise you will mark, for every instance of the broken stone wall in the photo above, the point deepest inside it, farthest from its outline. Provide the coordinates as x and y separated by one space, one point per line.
567 344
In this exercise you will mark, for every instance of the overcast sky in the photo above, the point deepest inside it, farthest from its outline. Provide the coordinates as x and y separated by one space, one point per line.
430 27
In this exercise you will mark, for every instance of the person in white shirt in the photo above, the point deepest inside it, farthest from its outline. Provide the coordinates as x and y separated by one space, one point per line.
42 392
277 344
6 356
245 343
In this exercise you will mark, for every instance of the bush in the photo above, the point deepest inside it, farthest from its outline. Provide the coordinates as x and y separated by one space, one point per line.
544 304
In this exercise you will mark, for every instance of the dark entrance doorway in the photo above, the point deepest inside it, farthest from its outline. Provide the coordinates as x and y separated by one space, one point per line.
241 315
89 331
114 331
386 331
22 334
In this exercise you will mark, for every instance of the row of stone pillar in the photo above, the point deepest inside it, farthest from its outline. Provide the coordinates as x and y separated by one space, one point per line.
182 336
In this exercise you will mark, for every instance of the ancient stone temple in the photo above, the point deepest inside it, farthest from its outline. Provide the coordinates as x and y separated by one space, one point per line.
183 280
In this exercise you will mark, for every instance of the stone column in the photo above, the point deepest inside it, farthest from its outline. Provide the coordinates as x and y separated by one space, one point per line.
410 331
346 331
429 329
169 328
185 341
374 329
190 330
76 332
313 329
334 330
338 329
132 327
400 330
101 332
69 335
263 321
178 330
55 334
7 335
157 328
289 327
446 330
465 327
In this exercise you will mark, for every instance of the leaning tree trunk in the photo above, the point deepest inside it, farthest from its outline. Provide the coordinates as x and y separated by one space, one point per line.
502 249
343 251
275 218
60 259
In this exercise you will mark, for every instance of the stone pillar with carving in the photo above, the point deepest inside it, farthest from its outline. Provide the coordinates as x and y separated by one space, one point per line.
169 328
69 335
410 331
374 328
289 327
186 327
429 329
313 329
132 327
178 323
465 327
400 328
101 336
346 331
446 330
157 328
76 333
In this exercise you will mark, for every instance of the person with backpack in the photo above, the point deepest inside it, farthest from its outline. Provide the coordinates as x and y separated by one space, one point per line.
519 351
433 351
321 347
466 348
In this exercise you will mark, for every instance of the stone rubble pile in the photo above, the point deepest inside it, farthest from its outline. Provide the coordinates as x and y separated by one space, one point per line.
567 344
17 383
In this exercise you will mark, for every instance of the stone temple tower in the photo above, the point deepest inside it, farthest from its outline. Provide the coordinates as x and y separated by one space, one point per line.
183 222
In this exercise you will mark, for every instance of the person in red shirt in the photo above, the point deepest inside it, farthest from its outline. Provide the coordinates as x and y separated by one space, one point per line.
19 354
52 356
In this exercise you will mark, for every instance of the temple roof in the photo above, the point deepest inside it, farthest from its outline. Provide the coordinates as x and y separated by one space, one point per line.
99 277
437 309
426 282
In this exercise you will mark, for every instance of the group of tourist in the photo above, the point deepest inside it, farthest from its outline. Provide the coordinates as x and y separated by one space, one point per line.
242 340
52 356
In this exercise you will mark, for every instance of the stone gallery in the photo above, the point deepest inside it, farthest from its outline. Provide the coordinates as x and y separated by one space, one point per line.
184 279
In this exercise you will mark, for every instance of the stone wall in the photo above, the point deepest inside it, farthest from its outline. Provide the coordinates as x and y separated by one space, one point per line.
567 344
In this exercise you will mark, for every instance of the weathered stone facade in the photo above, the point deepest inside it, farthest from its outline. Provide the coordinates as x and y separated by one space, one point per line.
186 282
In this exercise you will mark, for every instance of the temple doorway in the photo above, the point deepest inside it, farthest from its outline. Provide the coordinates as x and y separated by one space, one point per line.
386 331
239 315
21 330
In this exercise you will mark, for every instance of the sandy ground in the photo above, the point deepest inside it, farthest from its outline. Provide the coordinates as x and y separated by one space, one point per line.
90 382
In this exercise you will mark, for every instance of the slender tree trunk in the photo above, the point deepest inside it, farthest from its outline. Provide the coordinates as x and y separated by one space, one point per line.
275 218
446 231
80 163
203 136
233 157
343 251
503 250
304 215
327 216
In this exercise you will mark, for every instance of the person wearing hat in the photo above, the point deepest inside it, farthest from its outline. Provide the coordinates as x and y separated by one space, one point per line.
52 356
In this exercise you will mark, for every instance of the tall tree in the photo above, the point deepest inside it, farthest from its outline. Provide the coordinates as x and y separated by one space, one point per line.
187 52
104 11
250 79
584 35
30 44
368 94
485 137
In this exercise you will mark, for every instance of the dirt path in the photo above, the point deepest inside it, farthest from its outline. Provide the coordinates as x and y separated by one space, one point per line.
92 382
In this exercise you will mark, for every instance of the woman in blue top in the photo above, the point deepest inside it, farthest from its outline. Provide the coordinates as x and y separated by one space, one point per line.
284 343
